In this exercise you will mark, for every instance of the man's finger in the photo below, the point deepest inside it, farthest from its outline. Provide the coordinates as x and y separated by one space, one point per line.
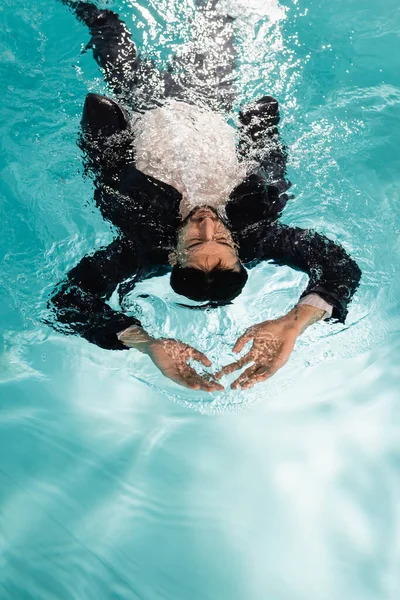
204 383
197 355
257 378
205 386
210 387
187 383
245 376
262 374
243 339
234 366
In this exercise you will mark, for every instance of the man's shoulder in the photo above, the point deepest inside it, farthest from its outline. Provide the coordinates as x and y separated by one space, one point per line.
255 201
103 115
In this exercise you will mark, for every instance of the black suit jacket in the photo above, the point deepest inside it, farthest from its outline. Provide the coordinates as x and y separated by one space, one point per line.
146 213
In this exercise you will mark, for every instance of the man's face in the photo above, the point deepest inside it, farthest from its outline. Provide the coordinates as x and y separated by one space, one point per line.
204 242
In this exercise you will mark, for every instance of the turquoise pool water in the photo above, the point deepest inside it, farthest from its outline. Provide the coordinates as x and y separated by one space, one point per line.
115 483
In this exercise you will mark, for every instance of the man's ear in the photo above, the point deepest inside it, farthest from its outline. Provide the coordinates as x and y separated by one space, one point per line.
173 258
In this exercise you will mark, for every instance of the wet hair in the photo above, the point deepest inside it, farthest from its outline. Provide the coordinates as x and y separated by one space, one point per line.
218 285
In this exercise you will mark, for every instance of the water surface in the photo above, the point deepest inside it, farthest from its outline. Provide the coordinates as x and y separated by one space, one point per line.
115 483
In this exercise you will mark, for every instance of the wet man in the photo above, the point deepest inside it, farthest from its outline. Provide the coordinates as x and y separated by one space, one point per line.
191 194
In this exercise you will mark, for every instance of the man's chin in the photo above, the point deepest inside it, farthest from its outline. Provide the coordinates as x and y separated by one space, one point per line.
204 210
201 212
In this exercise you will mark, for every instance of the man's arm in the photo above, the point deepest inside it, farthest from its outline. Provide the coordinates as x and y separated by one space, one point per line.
334 277
333 274
79 305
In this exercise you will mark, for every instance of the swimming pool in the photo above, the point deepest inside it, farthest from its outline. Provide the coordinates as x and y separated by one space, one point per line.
115 483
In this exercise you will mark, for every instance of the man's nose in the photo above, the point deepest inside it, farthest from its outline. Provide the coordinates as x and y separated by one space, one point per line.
207 227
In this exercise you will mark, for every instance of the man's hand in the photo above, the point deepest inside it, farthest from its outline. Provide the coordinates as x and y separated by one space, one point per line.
273 342
171 357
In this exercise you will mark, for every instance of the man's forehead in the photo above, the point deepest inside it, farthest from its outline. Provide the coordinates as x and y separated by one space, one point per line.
211 253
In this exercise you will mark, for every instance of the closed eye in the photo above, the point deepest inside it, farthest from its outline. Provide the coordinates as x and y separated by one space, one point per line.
223 243
195 244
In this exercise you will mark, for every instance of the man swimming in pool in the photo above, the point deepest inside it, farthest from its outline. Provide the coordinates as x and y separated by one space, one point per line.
191 194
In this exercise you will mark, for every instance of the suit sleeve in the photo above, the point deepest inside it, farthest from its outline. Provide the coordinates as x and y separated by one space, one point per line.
333 274
259 140
79 304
